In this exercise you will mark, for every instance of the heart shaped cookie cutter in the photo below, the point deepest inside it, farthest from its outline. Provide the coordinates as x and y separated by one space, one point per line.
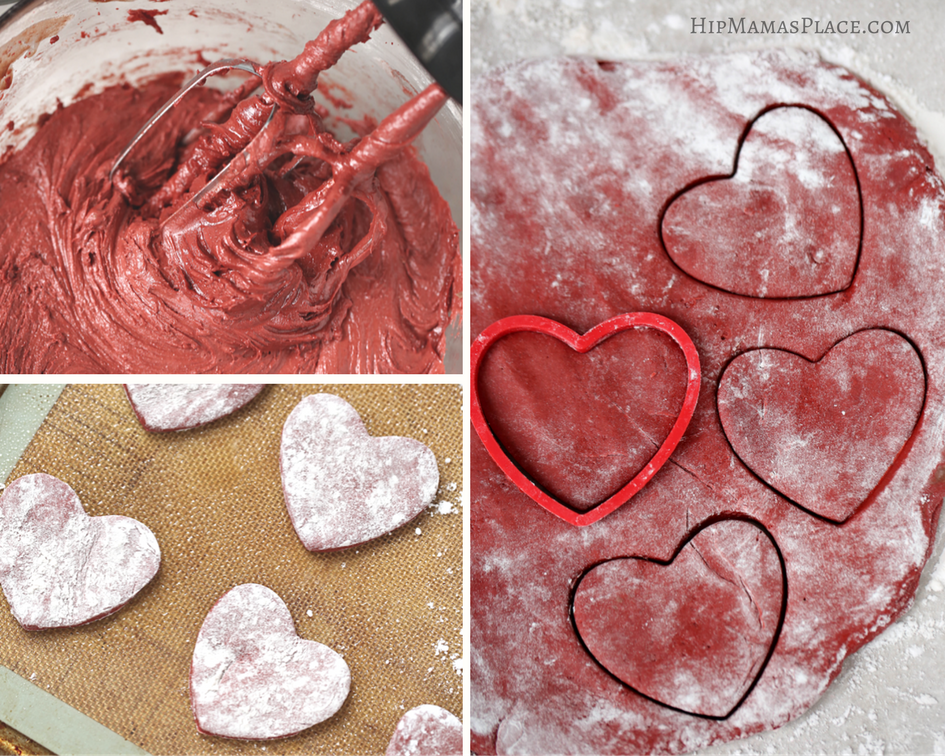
583 344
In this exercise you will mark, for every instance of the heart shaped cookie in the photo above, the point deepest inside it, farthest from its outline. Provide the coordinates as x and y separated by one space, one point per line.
693 633
253 678
343 487
786 224
583 344
182 406
427 731
824 434
59 567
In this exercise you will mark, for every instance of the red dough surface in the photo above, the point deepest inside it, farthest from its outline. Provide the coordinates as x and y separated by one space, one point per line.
602 450
181 406
253 678
427 731
343 487
61 568
844 418
703 624
574 165
792 208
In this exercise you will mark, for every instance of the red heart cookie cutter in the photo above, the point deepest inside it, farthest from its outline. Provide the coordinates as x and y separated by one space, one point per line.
583 344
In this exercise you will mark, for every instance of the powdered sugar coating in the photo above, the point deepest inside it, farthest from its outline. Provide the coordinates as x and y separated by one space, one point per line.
342 487
59 567
427 730
253 678
181 406
575 238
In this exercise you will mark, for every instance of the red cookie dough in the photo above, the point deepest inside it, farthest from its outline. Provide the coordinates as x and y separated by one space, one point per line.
253 678
846 416
342 486
580 173
181 406
61 568
427 731
704 624
127 277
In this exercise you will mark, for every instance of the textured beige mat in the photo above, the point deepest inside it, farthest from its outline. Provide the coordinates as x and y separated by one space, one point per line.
213 498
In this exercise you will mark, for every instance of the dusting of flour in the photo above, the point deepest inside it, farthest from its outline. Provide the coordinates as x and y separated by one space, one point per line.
427 730
61 568
252 677
343 487
180 406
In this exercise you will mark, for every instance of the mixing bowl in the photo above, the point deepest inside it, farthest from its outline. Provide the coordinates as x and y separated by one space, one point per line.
57 51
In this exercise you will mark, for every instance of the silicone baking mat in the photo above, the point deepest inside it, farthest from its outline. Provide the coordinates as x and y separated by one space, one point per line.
213 498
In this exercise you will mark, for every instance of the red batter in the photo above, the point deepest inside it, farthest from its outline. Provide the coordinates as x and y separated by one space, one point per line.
347 261
787 218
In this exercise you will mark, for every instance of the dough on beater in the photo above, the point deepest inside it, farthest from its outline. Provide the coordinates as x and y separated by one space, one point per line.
146 282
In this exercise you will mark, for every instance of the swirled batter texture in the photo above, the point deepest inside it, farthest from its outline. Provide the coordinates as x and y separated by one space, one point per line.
131 277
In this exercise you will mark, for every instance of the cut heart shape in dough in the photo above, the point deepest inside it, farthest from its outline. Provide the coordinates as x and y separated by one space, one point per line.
344 487
642 421
693 633
59 567
824 434
253 678
182 406
786 224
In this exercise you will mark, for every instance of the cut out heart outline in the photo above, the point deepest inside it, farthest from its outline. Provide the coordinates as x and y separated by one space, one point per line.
582 344
890 470
776 635
728 176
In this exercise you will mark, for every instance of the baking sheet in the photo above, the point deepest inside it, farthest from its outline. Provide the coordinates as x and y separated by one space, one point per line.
889 697
213 498
22 411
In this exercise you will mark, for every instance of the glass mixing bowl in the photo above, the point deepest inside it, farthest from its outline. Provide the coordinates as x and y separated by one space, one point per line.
54 51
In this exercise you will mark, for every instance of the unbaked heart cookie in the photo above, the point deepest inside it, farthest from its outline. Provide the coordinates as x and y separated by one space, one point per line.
824 433
59 567
253 678
693 633
785 224
182 406
427 731
342 486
